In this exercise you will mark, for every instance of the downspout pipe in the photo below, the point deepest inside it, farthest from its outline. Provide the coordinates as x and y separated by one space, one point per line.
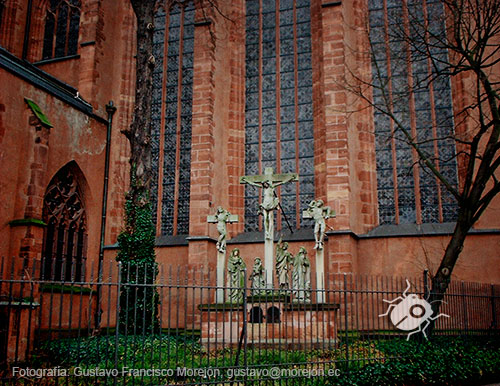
110 109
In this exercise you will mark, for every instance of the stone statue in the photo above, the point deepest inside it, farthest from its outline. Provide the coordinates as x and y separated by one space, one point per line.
236 276
222 217
319 213
301 277
258 278
268 182
283 260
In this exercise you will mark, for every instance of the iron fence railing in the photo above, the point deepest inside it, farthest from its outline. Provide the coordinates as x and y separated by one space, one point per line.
170 330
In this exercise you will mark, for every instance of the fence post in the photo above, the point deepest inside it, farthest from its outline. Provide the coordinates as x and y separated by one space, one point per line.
493 309
245 341
117 321
464 303
426 283
346 325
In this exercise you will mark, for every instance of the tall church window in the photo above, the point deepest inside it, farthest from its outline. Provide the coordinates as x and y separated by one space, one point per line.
407 192
65 240
173 48
2 11
62 23
279 116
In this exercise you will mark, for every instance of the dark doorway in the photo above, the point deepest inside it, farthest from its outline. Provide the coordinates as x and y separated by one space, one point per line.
273 315
256 315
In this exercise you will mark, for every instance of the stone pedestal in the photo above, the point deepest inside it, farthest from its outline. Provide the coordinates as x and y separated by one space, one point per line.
274 324
320 275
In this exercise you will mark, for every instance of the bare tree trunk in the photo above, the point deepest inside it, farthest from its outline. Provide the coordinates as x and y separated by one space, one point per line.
441 279
137 240
139 133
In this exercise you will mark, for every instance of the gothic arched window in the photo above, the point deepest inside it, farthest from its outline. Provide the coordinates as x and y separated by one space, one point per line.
65 241
171 114
62 23
278 103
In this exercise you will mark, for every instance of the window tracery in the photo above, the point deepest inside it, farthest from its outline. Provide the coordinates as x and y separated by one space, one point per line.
64 252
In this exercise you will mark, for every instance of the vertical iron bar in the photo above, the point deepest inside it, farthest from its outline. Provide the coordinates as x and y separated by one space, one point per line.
126 313
21 303
493 309
154 315
110 280
193 315
136 300
244 316
143 321
11 325
160 305
80 310
186 280
464 308
118 289
346 325
426 283
178 300
32 300
169 329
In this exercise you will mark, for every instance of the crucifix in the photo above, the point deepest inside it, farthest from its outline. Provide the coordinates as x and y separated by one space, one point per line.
319 213
221 218
268 182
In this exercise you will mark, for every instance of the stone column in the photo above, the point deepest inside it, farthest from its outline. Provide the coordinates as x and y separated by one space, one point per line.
320 275
269 252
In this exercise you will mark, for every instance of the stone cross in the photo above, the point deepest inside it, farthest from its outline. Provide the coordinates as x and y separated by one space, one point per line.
221 218
319 213
268 182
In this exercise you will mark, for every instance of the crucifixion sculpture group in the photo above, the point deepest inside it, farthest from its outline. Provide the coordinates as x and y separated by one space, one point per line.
262 275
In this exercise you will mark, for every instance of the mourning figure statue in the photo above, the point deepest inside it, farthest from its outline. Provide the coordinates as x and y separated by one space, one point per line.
283 261
258 278
236 276
301 277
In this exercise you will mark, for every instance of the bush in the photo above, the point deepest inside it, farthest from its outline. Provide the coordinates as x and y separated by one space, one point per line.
138 303
443 361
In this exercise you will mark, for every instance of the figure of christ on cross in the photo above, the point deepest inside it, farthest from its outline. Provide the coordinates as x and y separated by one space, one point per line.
268 182
221 218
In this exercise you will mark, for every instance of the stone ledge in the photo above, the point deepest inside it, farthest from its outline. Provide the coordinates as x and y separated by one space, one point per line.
289 307
409 230
27 222
304 234
312 307
221 307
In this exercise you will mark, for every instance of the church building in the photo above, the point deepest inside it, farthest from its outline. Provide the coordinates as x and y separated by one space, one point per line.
238 86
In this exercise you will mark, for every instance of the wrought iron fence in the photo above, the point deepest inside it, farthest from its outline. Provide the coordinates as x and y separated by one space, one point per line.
101 330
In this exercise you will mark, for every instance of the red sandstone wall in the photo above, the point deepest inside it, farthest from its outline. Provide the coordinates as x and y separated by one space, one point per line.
27 169
344 158
409 256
